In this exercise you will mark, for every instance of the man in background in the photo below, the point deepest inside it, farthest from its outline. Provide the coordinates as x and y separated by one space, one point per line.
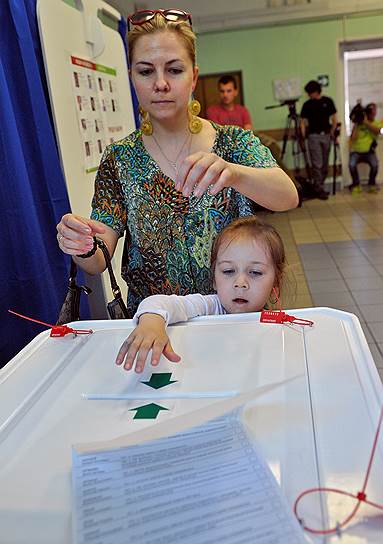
318 124
227 112
363 143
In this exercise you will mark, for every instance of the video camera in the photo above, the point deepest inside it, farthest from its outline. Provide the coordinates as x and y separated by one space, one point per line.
358 114
290 103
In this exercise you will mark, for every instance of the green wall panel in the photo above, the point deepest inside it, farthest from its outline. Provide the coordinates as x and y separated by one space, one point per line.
263 54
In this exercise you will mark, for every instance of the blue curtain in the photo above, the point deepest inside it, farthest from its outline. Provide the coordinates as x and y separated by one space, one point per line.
33 196
122 28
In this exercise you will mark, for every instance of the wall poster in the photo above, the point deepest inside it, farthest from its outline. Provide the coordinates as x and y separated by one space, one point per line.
97 106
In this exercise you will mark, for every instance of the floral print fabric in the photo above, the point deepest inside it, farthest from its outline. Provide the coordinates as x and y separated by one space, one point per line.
168 236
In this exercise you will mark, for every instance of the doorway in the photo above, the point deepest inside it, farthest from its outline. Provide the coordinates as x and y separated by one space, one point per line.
206 91
363 82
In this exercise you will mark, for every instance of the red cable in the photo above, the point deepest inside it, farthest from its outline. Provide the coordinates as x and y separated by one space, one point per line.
278 300
31 319
360 496
56 330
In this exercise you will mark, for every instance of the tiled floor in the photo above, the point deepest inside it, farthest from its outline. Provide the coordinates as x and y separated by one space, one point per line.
335 252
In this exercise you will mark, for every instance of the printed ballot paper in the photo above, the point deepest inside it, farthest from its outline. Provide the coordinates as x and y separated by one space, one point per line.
204 485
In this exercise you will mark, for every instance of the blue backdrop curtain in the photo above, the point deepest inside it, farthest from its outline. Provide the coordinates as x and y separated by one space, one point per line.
33 271
122 28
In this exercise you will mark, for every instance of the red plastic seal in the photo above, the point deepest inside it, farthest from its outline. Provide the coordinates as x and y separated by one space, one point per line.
57 331
277 316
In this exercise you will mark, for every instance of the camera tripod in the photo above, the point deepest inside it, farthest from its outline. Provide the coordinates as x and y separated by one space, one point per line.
335 156
292 132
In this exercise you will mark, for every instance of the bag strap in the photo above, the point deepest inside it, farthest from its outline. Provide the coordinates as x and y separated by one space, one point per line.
72 273
114 285
72 279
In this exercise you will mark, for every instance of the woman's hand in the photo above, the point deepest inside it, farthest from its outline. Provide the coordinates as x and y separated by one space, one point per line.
150 334
202 171
75 234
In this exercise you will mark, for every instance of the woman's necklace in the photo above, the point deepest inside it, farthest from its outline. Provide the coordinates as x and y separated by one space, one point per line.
173 164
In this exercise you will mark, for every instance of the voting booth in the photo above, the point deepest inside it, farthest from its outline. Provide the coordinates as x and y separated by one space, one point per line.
310 397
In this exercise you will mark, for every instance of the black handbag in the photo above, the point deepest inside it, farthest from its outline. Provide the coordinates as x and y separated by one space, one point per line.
116 308
70 310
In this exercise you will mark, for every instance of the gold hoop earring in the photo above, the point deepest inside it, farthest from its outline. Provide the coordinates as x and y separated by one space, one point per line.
146 125
195 123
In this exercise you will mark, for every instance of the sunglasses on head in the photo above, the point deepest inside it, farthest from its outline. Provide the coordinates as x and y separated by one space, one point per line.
142 16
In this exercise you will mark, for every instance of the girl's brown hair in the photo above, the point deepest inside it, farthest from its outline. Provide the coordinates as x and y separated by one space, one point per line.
253 227
160 24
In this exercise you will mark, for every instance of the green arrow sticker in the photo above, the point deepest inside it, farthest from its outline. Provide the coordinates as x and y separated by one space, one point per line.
160 379
149 411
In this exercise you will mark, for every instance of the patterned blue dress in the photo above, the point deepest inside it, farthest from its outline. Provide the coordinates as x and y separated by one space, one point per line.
168 236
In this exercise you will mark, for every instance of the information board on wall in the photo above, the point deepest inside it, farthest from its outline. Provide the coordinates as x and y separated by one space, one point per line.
97 107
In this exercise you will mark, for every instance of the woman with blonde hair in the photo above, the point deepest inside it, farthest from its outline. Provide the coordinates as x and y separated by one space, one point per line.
175 182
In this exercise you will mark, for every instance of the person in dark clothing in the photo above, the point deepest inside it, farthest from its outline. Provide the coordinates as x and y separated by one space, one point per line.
318 123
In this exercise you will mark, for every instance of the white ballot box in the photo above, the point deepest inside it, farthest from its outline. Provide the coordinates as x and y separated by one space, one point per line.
310 397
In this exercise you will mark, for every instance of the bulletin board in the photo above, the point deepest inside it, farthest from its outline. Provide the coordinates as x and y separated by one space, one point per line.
89 88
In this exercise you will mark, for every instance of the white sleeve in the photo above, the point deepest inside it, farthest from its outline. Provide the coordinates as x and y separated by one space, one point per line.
174 308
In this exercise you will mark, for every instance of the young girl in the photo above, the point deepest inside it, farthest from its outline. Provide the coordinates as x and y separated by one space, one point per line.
247 262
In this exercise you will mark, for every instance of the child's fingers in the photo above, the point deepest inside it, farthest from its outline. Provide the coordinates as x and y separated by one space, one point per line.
170 353
122 352
134 349
128 351
137 347
157 349
141 357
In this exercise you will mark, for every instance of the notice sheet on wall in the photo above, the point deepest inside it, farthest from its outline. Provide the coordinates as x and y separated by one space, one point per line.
97 106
